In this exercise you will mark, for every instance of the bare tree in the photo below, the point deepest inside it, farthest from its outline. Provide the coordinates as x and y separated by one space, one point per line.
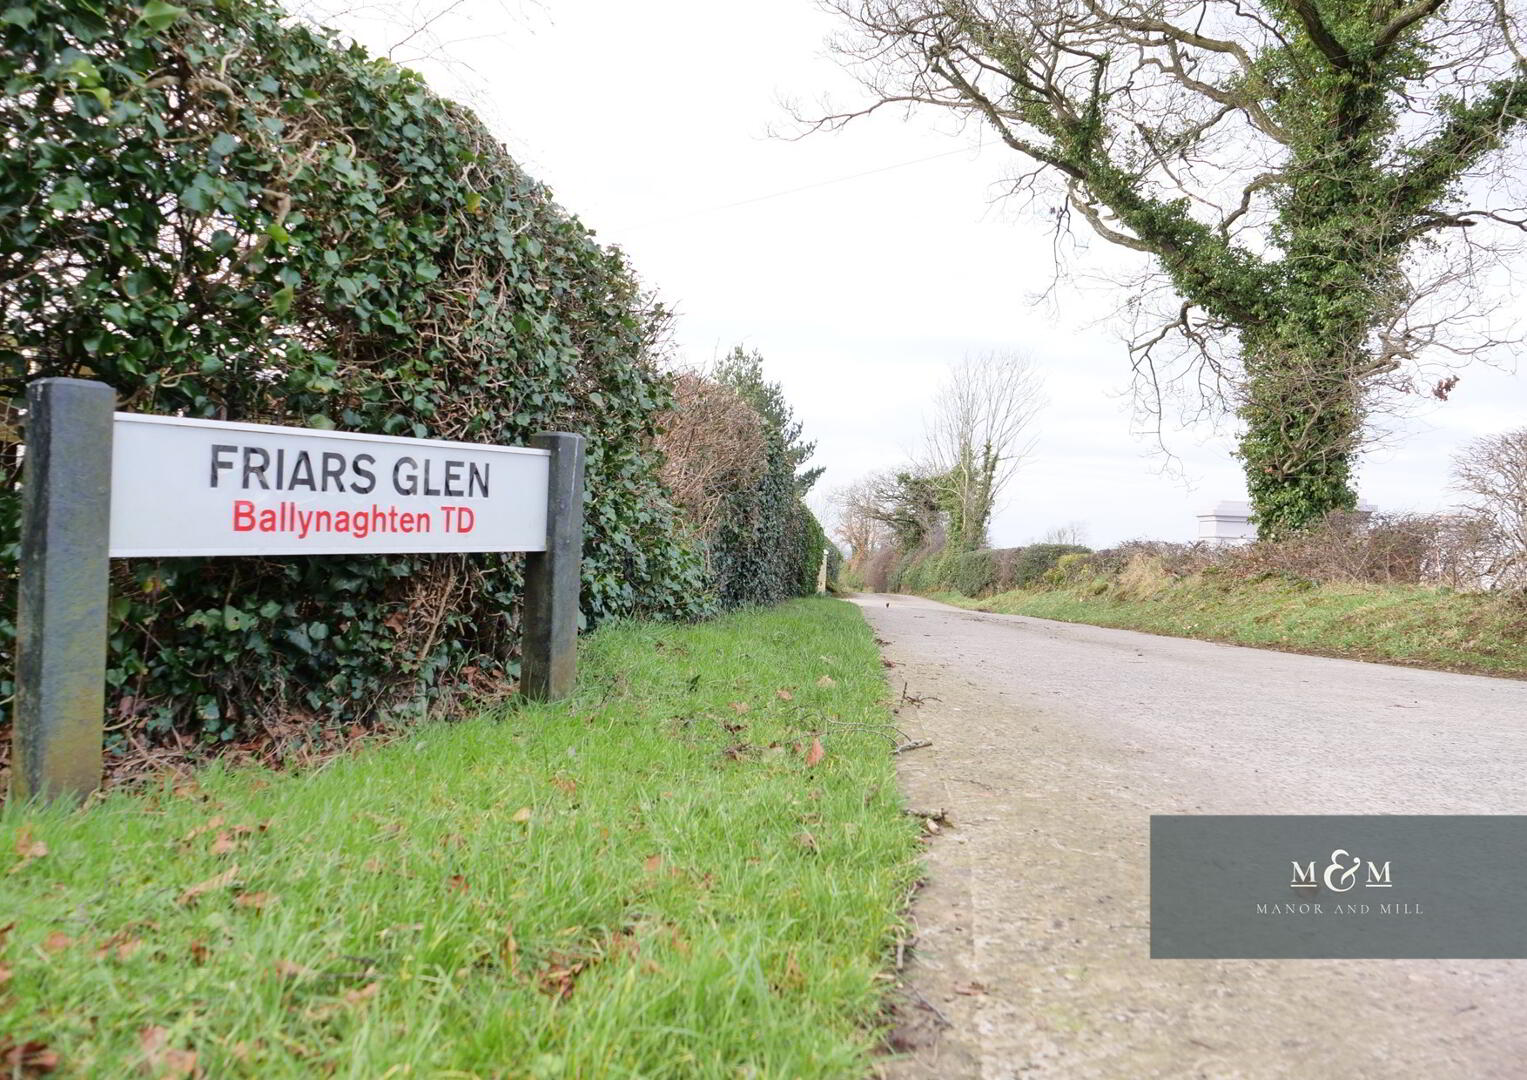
980 432
860 523
1491 473
1316 186
1073 532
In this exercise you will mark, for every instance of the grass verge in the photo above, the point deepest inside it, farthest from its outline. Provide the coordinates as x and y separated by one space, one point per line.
1397 624
656 878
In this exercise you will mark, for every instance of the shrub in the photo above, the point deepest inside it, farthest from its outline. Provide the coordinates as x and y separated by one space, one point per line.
224 215
1036 560
974 573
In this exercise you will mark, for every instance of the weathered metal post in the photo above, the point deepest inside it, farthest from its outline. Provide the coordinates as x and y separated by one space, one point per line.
549 638
61 610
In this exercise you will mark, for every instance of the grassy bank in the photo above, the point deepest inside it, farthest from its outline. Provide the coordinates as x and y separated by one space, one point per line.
663 877
1403 624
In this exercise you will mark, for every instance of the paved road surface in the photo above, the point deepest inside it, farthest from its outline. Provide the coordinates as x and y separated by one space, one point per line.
1053 743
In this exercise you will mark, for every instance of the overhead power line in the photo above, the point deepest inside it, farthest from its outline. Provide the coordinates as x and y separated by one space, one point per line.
797 190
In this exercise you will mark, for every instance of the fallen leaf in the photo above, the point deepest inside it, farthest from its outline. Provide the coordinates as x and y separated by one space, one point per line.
27 846
161 1059
457 882
26 1059
784 695
815 754
972 989
256 900
57 941
224 844
559 975
363 995
5 974
569 786
288 970
807 841
192 892
199 952
211 826
372 866
653 864
740 707
121 945
521 815
826 680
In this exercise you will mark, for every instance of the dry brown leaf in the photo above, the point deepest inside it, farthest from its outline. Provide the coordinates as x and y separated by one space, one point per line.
740 707
256 900
363 995
199 952
288 970
28 846
192 892
224 844
211 826
457 882
121 945
569 786
26 1059
653 864
57 941
372 866
971 989
807 841
163 1060
826 680
5 974
784 695
521 815
815 754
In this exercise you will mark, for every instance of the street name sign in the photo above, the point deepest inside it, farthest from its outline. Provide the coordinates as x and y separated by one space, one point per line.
99 484
202 487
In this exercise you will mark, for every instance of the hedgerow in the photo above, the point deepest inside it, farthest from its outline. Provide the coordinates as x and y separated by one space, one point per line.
225 215
735 456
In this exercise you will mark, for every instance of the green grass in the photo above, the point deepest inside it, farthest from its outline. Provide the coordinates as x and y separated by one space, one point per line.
647 880
1400 624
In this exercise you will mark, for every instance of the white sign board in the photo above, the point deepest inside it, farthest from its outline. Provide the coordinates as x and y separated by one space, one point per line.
202 487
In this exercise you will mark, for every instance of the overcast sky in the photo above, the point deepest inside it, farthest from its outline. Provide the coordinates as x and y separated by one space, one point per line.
861 264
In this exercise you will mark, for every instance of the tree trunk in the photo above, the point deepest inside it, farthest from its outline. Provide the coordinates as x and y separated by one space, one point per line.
1304 420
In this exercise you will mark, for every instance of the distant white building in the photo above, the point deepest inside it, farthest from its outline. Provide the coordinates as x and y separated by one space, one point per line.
1229 522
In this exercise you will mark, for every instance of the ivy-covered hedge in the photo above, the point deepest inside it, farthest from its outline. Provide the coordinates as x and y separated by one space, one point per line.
225 215
760 541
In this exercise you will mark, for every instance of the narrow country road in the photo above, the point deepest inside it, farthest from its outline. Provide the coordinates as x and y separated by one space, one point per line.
1052 746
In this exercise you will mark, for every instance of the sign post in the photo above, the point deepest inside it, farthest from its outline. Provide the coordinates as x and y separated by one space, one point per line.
99 485
548 640
61 603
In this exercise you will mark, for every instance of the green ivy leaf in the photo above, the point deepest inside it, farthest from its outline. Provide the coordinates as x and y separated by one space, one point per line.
158 15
